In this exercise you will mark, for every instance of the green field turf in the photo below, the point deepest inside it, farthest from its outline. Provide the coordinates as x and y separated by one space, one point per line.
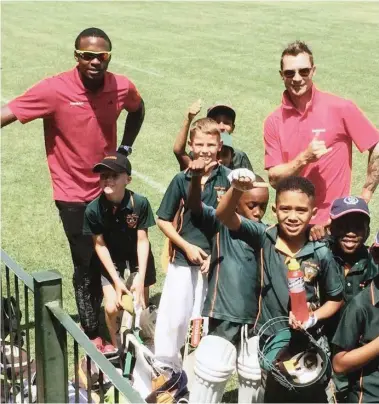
175 53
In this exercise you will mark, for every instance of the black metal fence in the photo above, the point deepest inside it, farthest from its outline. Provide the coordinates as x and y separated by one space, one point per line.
46 379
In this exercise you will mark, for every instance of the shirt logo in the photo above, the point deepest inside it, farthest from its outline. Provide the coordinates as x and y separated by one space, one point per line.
310 271
76 103
316 132
220 192
131 220
351 200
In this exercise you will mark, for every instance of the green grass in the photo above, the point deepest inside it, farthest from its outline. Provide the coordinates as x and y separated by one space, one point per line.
175 53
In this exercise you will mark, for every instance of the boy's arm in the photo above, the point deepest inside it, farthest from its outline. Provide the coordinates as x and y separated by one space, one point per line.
195 254
226 209
329 308
179 148
105 258
350 356
348 361
143 249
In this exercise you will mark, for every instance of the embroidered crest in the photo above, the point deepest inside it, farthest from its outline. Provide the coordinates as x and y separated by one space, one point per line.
351 200
131 220
220 192
310 271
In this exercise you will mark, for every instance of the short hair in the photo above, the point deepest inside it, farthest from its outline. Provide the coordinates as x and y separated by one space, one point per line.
294 49
295 183
95 32
205 125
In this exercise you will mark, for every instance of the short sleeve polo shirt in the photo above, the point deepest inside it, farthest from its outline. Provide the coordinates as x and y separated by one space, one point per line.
79 127
315 259
233 284
119 225
176 196
339 122
359 325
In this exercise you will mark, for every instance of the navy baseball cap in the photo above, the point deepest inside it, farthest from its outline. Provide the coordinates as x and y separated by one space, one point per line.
221 108
116 162
350 204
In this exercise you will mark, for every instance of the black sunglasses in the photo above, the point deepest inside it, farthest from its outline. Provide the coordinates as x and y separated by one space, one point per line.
87 55
304 72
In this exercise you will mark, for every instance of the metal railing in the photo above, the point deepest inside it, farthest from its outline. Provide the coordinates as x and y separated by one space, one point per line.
52 324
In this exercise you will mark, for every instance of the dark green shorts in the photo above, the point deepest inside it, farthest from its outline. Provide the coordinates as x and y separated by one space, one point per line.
226 329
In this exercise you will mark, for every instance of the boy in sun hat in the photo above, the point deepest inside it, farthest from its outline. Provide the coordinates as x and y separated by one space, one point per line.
118 221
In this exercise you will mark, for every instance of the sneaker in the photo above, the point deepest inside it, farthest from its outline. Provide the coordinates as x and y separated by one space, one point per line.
98 342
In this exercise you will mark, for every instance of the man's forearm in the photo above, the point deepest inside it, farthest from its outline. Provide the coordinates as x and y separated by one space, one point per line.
194 195
348 361
372 179
7 116
133 125
226 209
169 231
294 167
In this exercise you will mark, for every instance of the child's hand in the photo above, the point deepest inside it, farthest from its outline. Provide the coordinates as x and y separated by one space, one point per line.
198 167
121 289
296 325
138 288
318 231
204 268
244 180
194 109
195 254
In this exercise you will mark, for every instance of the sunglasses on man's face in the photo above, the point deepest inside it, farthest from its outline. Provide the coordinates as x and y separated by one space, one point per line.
304 72
87 55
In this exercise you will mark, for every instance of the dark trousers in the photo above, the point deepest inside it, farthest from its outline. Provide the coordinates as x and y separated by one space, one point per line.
86 278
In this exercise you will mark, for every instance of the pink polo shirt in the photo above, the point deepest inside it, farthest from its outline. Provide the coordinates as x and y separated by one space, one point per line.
339 122
79 126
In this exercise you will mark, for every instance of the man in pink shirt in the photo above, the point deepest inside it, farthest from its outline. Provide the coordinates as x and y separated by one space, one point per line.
312 132
79 109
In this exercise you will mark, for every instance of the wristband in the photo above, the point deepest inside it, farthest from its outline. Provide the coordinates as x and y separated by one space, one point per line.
125 150
311 322
235 175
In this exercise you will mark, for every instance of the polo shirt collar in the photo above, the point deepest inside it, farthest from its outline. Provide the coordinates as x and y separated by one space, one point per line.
126 203
308 248
288 104
374 291
360 264
80 86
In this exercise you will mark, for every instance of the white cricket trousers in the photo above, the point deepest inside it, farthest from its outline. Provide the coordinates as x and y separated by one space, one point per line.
182 298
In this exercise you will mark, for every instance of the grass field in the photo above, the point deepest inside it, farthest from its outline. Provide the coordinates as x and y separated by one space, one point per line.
175 53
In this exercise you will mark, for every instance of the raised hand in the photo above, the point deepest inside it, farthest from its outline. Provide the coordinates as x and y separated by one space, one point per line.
194 109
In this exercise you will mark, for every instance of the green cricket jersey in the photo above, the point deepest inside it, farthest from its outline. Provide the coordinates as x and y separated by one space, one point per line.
119 224
233 284
359 325
315 259
175 199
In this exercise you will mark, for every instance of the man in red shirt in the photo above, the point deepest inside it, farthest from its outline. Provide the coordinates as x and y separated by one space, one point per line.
312 132
79 109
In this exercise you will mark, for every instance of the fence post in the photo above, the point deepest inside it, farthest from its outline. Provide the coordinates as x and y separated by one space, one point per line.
51 340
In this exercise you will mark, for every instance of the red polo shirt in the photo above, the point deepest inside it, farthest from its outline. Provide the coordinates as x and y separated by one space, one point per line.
79 126
287 132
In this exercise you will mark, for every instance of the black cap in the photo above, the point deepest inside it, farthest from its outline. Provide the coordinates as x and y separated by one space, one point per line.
350 204
116 162
221 108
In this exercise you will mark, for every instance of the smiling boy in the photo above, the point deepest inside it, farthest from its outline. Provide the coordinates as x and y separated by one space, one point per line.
294 207
190 246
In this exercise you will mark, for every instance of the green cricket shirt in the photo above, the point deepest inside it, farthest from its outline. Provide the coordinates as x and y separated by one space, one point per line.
119 224
315 259
175 199
359 325
233 284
